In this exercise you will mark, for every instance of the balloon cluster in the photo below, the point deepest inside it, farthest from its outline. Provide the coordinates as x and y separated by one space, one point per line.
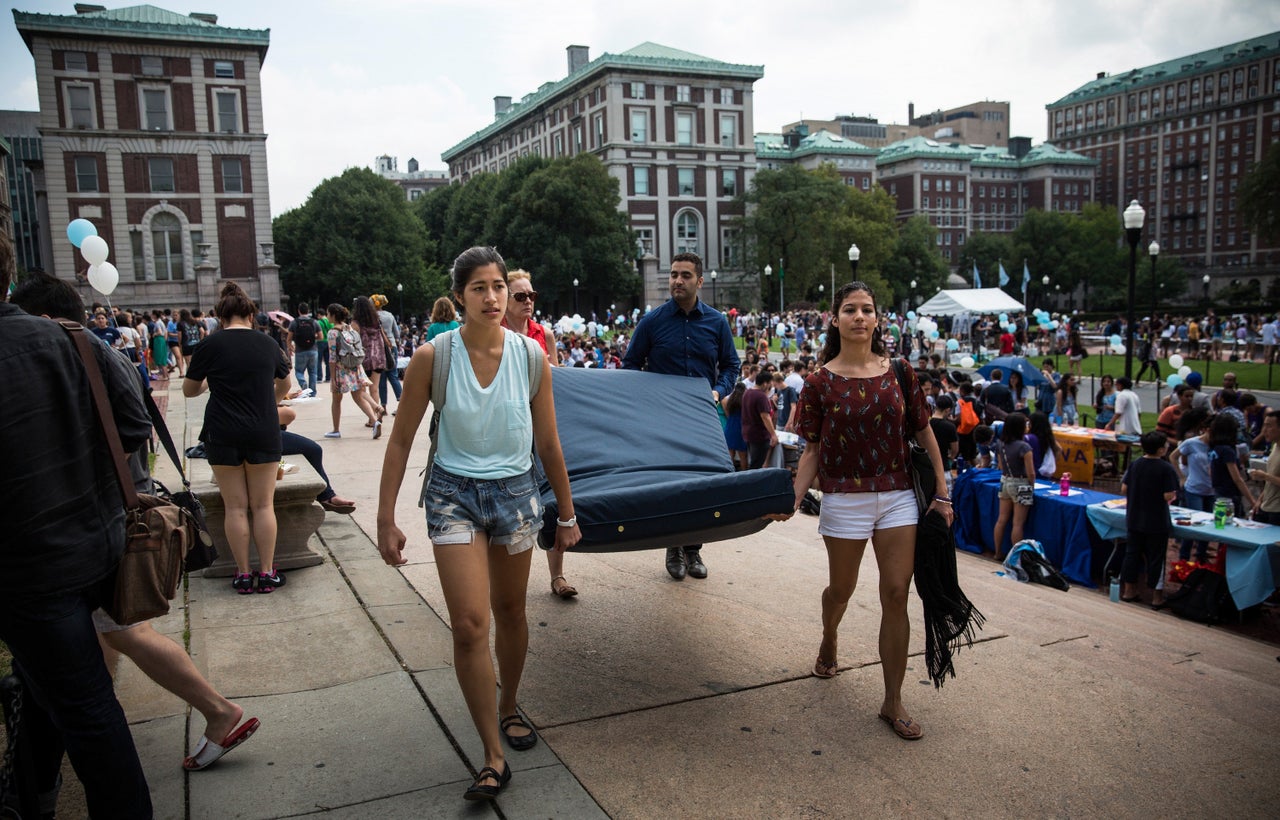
1044 319
1117 344
570 324
926 326
103 275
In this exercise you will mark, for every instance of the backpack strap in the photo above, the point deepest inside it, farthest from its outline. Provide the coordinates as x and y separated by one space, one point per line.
443 344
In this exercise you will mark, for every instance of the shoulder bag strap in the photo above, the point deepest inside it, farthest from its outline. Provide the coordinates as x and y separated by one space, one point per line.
899 371
106 418
162 431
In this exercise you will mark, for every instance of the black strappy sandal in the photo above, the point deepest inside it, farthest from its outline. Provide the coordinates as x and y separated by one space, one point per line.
483 792
521 743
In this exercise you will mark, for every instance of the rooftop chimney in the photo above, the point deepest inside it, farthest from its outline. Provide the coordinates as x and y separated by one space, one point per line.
501 105
1019 146
413 165
204 17
1102 75
911 112
578 58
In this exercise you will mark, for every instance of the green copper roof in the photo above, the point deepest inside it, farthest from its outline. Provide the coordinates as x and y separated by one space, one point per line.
774 146
978 156
915 147
138 23
1049 154
646 57
1192 64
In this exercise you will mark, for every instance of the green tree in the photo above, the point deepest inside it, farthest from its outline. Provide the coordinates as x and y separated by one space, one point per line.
916 257
433 210
988 250
465 221
1260 196
1100 257
356 234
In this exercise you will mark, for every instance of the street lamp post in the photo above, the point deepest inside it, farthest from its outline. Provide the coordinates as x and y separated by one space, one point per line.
714 303
400 290
1134 216
821 289
575 297
782 293
854 255
768 271
1044 280
1205 280
1153 250
911 301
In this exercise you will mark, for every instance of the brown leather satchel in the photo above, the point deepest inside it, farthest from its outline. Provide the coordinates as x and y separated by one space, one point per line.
158 533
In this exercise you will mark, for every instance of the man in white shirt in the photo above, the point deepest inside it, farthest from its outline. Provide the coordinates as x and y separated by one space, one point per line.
1269 330
794 378
1127 420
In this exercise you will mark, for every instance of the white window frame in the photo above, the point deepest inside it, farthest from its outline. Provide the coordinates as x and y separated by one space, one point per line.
224 69
144 116
597 130
730 248
683 240
80 55
151 175
729 181
168 253
692 186
67 88
643 180
729 135
92 164
637 91
684 94
640 116
239 164
726 96
234 93
684 136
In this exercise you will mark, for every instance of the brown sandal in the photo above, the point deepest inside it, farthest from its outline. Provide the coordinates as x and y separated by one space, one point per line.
825 669
566 589
905 728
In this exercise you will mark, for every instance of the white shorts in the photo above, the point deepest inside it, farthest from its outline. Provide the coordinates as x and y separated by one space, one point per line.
856 516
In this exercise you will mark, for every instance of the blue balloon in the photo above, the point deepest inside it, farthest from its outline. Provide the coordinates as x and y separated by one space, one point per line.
933 334
911 314
953 344
1052 325
1116 341
1174 380
78 230
1004 318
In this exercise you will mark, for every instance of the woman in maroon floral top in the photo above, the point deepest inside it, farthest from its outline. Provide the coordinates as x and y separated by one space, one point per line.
855 420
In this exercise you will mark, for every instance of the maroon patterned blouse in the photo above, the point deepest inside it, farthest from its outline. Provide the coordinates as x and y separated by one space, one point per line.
859 422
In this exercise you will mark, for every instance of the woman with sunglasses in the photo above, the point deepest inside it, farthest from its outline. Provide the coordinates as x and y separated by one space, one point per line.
520 319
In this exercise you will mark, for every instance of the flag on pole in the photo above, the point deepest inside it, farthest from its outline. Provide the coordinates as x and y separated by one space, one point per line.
1004 277
977 280
1026 280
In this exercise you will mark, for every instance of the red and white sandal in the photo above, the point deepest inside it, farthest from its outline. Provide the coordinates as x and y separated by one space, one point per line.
207 752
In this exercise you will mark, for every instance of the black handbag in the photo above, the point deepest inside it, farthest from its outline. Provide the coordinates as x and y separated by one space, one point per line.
923 478
201 553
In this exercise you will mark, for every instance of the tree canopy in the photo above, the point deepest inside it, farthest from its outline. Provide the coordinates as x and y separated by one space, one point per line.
1260 196
355 235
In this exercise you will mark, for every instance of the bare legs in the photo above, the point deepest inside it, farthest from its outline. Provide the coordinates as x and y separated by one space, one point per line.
1008 510
476 578
895 557
361 398
249 488
162 660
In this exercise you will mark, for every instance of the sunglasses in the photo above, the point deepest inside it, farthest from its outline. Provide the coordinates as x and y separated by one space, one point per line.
531 296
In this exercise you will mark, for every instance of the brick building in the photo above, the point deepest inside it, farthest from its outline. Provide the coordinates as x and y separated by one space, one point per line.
675 130
976 123
1179 137
415 182
151 126
853 161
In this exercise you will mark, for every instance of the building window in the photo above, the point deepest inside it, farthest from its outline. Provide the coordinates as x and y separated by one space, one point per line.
75 61
729 181
728 130
644 241
924 185
730 248
153 66
414 195
233 176
684 128
688 233
577 139
80 106
726 96
166 246
227 108
86 175
642 180
160 170
640 125
598 130
224 69
684 181
683 94
637 91
557 145
155 108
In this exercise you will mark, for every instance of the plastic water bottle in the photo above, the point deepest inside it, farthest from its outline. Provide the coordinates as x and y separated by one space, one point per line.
1064 485
1115 589
961 465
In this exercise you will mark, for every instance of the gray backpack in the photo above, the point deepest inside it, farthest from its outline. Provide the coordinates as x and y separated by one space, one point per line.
443 344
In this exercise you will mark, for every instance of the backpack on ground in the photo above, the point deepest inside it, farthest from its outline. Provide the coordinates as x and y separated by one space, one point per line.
304 333
350 348
968 417
1203 597
443 344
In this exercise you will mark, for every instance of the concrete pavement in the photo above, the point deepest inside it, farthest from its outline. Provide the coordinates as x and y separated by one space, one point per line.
657 699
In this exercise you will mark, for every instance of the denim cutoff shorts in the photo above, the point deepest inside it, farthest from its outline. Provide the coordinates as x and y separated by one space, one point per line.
509 510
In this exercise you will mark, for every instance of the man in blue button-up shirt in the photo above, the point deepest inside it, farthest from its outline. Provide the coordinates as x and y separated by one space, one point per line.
685 337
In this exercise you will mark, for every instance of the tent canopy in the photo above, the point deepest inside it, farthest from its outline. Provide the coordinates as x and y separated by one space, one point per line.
981 300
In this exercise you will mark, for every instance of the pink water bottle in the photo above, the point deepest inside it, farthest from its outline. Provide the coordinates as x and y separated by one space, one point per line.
1064 485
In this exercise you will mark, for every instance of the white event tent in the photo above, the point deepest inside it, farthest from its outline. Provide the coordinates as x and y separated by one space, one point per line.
982 300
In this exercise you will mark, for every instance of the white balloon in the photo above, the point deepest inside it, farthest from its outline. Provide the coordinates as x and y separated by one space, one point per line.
1184 370
967 361
103 277
1118 349
95 250
1175 360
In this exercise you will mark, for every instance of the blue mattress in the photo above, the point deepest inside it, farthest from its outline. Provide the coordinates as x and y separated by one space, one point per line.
648 464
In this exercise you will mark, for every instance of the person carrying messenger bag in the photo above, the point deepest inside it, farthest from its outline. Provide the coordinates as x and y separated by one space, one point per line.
158 533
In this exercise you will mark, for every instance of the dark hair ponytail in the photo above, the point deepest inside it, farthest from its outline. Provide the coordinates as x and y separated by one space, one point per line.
831 348
233 302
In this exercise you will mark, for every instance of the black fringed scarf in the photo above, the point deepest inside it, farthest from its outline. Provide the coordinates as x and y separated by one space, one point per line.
950 619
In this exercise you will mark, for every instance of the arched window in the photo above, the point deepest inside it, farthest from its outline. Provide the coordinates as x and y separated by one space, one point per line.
688 233
166 247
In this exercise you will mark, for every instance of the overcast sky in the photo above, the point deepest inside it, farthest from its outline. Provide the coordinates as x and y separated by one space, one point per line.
347 80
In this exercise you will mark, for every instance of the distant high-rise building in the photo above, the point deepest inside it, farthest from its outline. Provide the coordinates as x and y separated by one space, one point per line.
675 130
1179 137
983 123
151 128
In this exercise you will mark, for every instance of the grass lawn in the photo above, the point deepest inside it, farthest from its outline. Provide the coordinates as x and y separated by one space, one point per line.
1250 375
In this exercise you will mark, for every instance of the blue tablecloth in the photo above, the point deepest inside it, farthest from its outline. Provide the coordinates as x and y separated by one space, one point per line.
1061 525
1253 552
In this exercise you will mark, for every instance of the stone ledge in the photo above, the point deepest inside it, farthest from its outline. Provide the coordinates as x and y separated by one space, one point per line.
298 517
